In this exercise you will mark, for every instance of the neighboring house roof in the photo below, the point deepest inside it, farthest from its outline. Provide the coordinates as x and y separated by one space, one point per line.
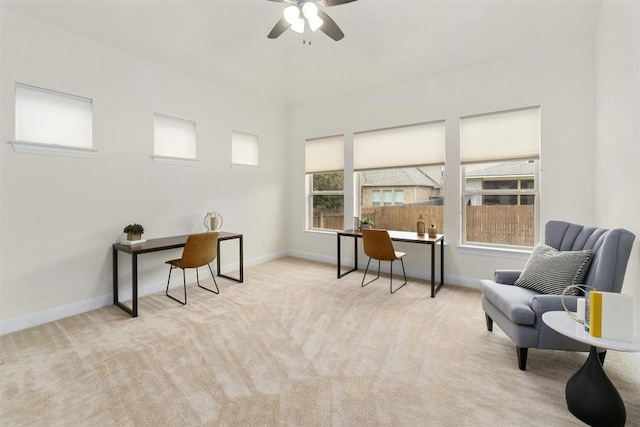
405 177
504 169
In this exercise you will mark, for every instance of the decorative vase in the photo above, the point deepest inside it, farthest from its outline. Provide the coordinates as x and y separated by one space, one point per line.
133 237
420 226
432 231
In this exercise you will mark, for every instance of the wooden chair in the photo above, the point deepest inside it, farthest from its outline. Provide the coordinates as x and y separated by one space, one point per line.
378 245
199 250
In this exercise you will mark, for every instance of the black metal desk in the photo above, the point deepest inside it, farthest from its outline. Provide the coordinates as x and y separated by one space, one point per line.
399 236
162 244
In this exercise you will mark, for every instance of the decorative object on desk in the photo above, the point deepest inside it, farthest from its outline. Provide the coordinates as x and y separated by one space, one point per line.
213 221
420 226
134 232
432 231
366 223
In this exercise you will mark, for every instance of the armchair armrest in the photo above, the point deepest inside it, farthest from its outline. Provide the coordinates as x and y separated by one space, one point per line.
506 277
543 303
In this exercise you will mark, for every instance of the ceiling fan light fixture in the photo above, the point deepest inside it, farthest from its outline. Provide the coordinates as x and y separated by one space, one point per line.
292 14
315 23
310 10
298 26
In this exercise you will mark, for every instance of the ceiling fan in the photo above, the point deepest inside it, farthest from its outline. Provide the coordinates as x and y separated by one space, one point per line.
301 11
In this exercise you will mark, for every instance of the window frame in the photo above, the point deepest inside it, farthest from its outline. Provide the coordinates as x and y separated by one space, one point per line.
310 195
323 155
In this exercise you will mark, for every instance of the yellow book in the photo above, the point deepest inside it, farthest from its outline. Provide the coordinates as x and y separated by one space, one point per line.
595 314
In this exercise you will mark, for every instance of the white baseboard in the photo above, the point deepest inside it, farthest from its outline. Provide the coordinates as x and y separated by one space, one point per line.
49 315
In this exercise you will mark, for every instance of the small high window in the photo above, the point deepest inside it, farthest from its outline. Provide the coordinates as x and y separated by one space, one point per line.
174 140
244 149
51 122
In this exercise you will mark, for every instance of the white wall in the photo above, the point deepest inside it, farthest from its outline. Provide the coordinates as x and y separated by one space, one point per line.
60 215
617 164
561 80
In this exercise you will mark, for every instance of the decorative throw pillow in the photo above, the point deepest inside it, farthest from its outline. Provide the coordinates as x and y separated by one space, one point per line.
549 271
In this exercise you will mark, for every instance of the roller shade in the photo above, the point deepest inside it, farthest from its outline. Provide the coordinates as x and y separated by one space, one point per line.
507 135
244 148
414 145
324 154
174 137
50 117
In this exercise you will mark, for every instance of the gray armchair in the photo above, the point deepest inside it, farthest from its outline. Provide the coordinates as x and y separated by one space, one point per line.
518 310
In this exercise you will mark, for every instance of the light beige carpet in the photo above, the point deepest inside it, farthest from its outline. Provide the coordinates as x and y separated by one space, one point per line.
292 346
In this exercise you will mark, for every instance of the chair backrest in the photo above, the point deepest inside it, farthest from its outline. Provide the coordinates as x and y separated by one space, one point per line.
378 244
610 250
200 249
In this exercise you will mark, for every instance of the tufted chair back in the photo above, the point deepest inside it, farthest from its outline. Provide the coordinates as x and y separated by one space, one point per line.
610 250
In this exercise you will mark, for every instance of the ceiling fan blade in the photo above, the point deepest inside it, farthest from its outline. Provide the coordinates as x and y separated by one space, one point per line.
329 27
334 2
281 26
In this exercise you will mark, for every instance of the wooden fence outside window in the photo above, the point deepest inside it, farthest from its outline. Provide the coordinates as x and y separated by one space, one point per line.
503 225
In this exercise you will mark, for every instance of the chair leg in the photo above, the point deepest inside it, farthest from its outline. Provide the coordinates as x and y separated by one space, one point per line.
601 356
522 358
391 278
489 322
365 274
184 281
216 291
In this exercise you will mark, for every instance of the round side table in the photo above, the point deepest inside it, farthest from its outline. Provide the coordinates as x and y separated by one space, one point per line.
591 396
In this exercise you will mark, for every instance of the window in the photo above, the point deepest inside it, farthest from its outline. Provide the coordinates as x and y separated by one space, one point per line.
50 122
174 140
399 175
375 197
387 197
244 149
324 167
499 153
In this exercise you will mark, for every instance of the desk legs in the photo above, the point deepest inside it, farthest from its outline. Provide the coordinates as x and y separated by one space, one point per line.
355 257
134 284
434 288
592 397
240 279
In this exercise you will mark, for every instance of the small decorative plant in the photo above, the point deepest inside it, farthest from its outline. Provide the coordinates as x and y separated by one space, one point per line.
134 231
366 223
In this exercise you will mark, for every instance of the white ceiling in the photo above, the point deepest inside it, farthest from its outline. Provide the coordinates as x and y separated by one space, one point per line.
386 41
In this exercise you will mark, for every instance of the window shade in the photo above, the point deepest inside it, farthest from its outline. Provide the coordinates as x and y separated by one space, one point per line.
244 148
49 117
174 137
324 154
508 135
415 145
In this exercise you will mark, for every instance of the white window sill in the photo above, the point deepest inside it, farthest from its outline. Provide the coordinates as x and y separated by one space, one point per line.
494 251
53 149
244 166
174 161
321 233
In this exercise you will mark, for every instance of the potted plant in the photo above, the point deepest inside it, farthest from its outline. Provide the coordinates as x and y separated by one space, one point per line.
366 223
134 231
